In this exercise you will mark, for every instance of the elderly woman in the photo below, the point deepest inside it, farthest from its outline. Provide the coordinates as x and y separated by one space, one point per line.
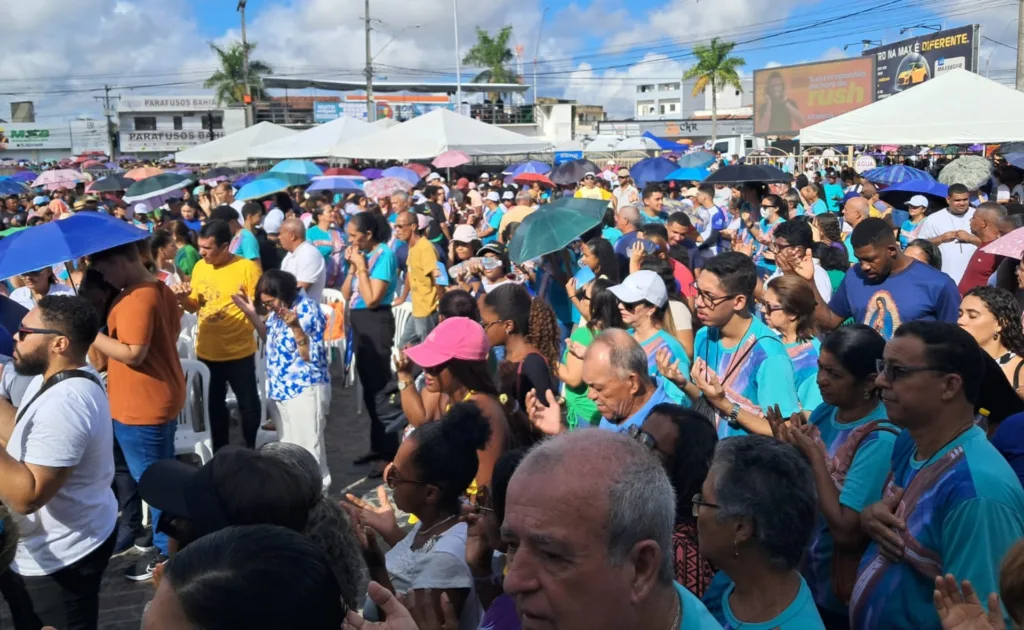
755 515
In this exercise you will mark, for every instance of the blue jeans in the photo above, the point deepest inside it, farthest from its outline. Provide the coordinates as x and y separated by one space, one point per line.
142 445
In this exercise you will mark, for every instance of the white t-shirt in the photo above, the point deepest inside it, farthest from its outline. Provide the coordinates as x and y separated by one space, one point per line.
1003 193
307 264
682 319
821 280
955 255
23 295
69 426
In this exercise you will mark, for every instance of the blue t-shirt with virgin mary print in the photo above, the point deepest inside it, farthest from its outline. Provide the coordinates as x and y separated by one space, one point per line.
918 292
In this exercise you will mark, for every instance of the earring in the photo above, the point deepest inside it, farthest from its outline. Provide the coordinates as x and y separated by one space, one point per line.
995 336
735 550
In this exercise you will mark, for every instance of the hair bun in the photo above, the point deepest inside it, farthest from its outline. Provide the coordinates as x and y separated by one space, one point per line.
465 425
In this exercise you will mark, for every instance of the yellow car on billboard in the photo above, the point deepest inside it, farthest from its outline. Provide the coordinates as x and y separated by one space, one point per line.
916 73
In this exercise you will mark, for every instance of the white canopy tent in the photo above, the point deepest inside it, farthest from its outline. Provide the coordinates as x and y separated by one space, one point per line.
385 123
318 141
441 130
638 143
235 147
957 107
603 143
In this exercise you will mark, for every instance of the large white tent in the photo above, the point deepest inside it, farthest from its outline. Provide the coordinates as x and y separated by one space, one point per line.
385 123
234 147
318 141
441 130
957 107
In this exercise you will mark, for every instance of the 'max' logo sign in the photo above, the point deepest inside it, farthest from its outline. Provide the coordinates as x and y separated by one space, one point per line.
30 134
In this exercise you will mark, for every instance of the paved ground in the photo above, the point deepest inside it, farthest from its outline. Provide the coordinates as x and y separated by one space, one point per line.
122 602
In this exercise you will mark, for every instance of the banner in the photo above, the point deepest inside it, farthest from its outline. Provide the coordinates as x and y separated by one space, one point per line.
909 62
170 141
789 98
561 157
326 112
167 104
77 136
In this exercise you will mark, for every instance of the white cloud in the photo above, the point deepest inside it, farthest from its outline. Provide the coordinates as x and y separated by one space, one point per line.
616 89
833 53
773 64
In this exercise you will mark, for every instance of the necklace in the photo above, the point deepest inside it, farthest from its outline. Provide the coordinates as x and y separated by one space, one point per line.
436 525
679 614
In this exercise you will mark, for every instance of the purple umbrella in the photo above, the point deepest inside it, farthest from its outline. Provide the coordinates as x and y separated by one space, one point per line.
400 172
243 180
24 176
372 173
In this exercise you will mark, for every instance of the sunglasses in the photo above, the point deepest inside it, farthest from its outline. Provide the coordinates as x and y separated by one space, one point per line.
643 437
895 372
25 331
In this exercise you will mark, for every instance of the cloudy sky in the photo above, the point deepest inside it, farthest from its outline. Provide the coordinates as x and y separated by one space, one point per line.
60 54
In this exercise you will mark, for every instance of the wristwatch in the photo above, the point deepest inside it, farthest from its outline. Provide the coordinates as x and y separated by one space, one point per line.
403 384
733 416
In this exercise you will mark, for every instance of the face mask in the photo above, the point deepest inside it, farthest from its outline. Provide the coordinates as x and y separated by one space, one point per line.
766 212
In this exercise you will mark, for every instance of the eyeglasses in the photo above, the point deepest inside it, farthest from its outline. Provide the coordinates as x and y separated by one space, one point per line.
25 331
771 308
895 372
711 300
698 502
494 323
768 205
643 437
392 479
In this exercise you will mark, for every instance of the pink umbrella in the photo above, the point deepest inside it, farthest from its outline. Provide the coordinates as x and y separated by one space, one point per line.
1010 245
419 169
451 159
385 187
52 180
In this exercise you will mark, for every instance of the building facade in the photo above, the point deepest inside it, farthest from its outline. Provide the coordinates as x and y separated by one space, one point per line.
46 142
674 100
153 126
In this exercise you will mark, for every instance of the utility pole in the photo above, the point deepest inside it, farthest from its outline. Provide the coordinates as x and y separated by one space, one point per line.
245 68
458 61
1020 45
371 109
108 111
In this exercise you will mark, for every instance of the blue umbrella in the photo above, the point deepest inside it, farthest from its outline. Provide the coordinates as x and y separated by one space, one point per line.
655 169
531 166
665 144
898 174
242 180
11 314
697 159
1015 159
401 173
24 176
8 186
690 173
898 195
335 184
298 167
259 188
293 179
56 242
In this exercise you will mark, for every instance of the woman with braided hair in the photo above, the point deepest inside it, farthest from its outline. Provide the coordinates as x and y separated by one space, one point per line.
528 330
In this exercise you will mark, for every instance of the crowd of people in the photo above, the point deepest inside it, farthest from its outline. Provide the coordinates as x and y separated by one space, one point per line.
805 410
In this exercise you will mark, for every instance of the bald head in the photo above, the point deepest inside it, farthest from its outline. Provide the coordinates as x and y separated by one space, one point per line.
629 216
856 210
295 227
990 221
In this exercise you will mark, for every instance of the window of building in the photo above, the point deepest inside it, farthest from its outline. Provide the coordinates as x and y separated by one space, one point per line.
218 121
668 108
646 109
643 89
145 123
668 87
177 123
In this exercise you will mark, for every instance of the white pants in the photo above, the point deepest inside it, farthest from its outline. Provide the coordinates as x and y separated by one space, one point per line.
301 420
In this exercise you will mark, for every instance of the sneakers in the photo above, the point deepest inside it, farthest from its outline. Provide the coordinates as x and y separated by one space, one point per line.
143 569
144 543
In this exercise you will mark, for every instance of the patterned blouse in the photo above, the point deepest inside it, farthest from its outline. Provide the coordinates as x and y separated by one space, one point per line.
692 570
287 374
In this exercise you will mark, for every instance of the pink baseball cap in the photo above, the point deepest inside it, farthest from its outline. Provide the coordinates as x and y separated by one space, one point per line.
454 338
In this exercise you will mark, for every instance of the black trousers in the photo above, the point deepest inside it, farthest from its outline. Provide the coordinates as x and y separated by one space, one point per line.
373 332
241 375
68 599
127 492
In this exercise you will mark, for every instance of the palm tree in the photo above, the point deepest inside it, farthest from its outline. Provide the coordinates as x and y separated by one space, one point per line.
492 53
229 80
717 69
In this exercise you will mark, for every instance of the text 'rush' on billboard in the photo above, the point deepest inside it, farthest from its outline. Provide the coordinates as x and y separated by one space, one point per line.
789 98
902 65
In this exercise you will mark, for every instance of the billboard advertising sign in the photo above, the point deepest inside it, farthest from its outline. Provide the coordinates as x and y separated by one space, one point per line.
789 98
78 136
326 112
909 62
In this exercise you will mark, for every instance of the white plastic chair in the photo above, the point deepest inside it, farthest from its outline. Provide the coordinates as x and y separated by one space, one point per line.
192 434
402 313
330 296
187 337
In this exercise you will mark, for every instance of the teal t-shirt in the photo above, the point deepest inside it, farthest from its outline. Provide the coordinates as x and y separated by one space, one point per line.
314 234
833 195
695 613
964 510
580 410
493 219
611 234
383 265
804 355
761 377
245 245
860 452
849 251
656 342
819 207
801 614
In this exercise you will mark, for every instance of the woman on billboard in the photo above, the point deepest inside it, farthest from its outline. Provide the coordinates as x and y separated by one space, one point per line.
778 114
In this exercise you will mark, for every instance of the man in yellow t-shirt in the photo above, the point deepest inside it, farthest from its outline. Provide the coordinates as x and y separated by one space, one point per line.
421 269
590 189
225 339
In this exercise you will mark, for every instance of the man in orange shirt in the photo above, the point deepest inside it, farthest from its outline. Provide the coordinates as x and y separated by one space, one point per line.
145 382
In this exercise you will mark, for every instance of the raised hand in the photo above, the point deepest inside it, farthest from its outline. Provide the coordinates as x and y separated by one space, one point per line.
669 366
382 519
478 551
546 417
576 348
879 521
403 365
963 611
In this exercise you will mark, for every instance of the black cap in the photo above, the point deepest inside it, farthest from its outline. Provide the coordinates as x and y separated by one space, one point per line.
224 213
495 248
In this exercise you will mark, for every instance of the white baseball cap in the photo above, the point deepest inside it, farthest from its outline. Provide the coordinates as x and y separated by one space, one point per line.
508 195
484 176
642 286
918 201
433 176
465 234
494 196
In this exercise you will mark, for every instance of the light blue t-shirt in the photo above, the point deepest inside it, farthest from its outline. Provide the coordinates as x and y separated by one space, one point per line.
611 234
819 207
833 195
964 509
801 614
245 245
804 355
909 231
859 452
762 377
638 418
695 613
383 265
656 342
493 219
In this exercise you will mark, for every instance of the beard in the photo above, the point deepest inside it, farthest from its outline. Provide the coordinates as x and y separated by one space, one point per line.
31 365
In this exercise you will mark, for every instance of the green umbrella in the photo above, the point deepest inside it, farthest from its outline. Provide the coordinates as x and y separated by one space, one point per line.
293 179
553 226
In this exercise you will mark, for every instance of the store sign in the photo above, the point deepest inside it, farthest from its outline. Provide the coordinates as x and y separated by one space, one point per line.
326 112
789 98
864 163
902 65
676 129
142 141
167 103
561 157
75 137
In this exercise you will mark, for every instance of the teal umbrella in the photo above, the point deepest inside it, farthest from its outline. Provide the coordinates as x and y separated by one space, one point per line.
293 179
553 226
